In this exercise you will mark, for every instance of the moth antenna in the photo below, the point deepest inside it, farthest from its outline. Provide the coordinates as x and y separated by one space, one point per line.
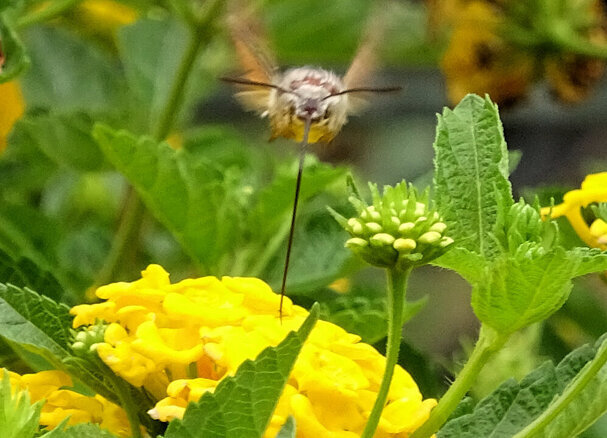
302 156
245 81
365 90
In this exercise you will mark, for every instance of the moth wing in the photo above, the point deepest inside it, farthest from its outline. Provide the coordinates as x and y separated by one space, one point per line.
254 57
366 61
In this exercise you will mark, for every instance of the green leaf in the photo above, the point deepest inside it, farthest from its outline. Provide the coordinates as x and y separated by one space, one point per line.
318 255
35 322
241 406
363 315
471 174
590 260
584 407
68 74
18 418
65 139
23 272
514 405
16 60
151 51
518 290
275 202
186 193
84 430
288 430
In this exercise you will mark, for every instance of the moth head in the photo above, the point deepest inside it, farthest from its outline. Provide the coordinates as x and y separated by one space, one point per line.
309 92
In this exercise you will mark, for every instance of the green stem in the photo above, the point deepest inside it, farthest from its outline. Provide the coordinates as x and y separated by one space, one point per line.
397 288
536 428
131 221
51 11
167 117
488 343
128 230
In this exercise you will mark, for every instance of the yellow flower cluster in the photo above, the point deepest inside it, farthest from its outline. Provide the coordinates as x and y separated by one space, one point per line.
593 190
179 340
482 57
61 402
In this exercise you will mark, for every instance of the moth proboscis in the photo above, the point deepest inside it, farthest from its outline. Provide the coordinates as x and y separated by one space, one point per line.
305 104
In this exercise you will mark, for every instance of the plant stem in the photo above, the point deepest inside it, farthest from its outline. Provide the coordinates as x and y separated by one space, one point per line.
536 428
397 288
488 343
134 210
128 230
51 11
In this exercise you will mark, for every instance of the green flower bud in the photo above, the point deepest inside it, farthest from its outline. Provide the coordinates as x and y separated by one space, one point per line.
382 239
406 227
404 245
430 237
439 227
88 338
374 227
356 242
399 230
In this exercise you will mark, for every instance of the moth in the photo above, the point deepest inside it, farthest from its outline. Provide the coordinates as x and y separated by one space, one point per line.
305 104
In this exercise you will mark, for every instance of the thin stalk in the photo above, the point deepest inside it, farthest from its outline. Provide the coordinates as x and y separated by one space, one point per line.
397 288
167 117
488 343
126 235
51 11
536 428
130 223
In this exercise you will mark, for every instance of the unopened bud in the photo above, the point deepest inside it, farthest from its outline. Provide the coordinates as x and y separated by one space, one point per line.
439 227
430 237
404 244
382 239
374 227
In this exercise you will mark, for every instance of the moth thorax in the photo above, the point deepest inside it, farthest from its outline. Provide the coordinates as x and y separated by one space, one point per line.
311 89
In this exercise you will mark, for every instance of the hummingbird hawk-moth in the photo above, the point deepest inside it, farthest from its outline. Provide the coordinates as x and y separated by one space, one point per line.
305 104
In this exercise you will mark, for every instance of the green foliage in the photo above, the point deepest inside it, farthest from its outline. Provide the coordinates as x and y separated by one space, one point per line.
84 430
18 418
515 405
34 322
64 139
69 75
23 272
225 220
13 52
519 272
471 174
363 315
241 406
151 50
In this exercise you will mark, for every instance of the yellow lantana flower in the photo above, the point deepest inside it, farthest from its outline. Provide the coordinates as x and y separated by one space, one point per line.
12 106
593 190
478 60
61 402
179 340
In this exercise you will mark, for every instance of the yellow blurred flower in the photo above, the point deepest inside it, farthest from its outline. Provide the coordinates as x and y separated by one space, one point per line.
61 402
179 340
106 16
501 47
12 107
593 190
479 61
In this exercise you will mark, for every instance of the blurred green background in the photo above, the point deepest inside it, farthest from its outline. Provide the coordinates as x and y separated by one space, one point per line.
78 74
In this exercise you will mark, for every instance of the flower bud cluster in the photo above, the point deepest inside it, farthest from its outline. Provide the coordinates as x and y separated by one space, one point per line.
398 230
86 340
